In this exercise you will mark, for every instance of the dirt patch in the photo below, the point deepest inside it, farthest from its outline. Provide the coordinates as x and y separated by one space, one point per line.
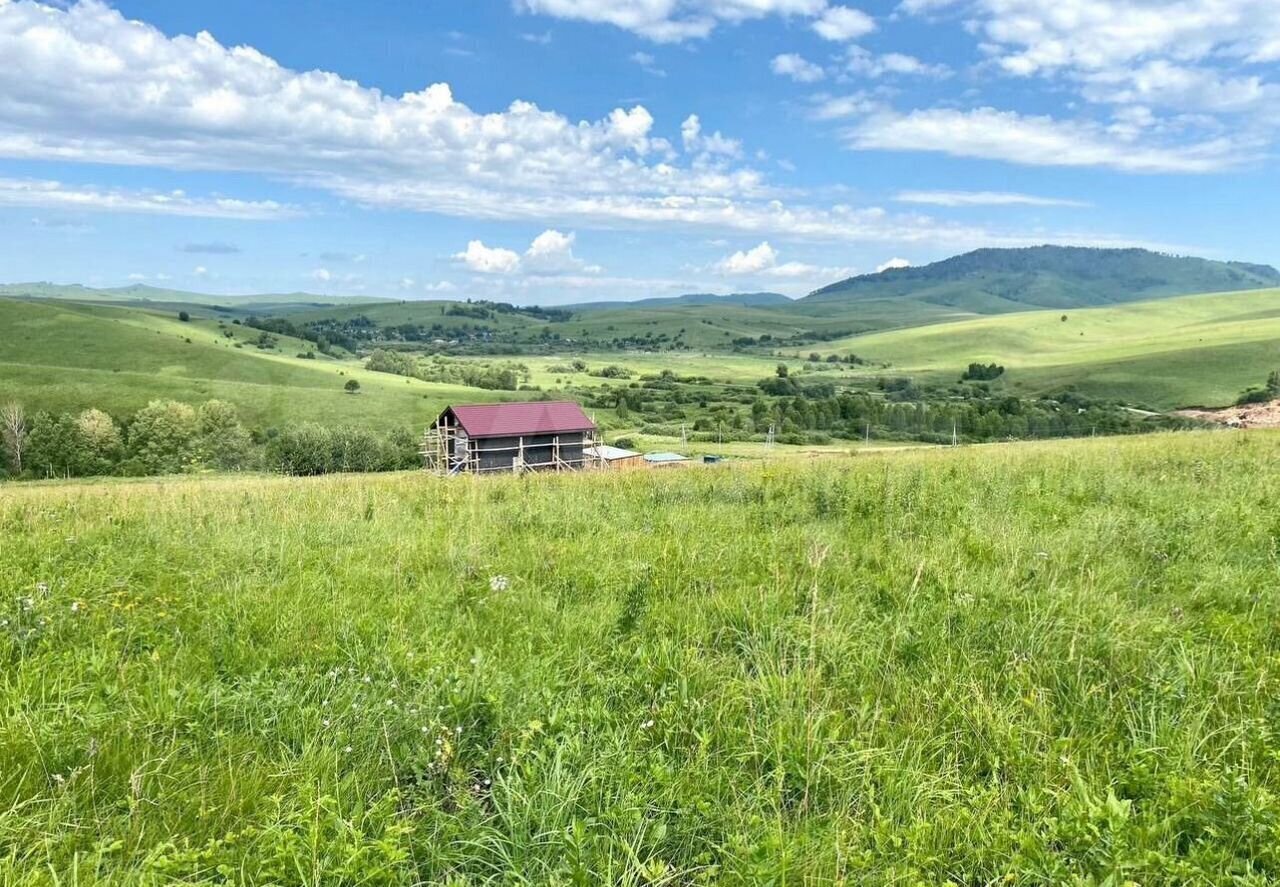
1254 415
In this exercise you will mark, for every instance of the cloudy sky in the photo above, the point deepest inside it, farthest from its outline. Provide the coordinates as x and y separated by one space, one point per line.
563 150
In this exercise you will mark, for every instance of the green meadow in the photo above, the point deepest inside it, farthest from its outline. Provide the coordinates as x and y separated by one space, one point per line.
1192 350
66 358
1010 664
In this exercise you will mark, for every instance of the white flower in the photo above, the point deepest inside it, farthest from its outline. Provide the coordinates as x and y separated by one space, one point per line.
75 606
475 660
499 583
325 722
42 587
457 731
28 603
647 724
347 749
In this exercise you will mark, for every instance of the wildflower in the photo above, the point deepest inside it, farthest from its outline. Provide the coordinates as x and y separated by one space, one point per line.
347 750
59 778
28 603
439 741
75 606
367 679
475 660
499 583
647 724
42 587
325 722
457 731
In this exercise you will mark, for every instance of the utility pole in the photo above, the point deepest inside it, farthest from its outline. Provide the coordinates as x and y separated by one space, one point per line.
955 437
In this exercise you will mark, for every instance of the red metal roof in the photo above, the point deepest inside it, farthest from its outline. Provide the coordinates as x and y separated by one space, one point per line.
514 419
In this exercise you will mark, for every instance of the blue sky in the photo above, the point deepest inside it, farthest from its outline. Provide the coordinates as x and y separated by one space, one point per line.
555 151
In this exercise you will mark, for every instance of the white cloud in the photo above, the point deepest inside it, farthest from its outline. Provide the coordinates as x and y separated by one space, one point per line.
1036 141
798 68
697 142
762 261
751 261
983 198
83 84
323 275
441 286
867 64
648 64
829 107
53 194
489 260
840 23
670 21
200 271
892 263
550 253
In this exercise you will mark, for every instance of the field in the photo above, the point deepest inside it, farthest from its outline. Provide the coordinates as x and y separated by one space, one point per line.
1195 350
1016 664
61 357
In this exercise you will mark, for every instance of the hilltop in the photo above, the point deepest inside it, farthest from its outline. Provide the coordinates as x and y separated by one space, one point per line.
995 281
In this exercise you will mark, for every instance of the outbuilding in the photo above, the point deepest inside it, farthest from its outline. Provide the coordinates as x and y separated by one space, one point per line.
666 460
614 457
534 436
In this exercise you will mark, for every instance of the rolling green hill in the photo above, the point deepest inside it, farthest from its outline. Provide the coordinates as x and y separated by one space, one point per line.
1164 353
68 357
995 281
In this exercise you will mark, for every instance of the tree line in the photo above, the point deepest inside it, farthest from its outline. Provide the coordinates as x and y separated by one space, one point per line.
171 437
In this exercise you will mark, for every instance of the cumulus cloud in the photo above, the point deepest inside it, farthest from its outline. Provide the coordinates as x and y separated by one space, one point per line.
798 68
892 263
54 194
322 275
840 23
550 253
867 64
84 84
1182 54
762 261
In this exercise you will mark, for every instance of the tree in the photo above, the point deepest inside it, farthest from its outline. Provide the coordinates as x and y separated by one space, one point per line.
224 442
782 371
184 316
13 435
164 438
98 444
352 386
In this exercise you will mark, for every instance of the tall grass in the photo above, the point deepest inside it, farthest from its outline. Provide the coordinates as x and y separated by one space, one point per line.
1032 664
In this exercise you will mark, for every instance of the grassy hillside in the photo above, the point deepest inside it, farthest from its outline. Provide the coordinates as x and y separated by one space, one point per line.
1010 664
142 295
993 281
1165 353
64 357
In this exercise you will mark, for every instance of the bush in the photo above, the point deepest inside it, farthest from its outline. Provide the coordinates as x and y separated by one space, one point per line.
184 317
352 386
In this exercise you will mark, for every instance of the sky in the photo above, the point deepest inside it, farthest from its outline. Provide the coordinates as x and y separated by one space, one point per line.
559 151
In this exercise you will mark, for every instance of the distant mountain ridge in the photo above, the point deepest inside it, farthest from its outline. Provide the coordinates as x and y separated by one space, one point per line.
139 292
995 281
750 300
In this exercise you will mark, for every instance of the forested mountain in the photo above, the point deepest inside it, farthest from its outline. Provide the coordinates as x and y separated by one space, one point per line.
993 281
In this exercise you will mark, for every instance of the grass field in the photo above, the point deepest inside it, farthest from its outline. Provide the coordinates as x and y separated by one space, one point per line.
68 358
1015 664
1165 353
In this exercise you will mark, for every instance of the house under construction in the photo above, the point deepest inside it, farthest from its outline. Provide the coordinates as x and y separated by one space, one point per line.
536 436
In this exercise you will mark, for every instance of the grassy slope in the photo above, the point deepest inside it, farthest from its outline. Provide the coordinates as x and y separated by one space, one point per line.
1167 353
69 357
1032 664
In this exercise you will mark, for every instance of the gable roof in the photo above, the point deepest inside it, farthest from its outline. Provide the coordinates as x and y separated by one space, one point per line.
514 419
